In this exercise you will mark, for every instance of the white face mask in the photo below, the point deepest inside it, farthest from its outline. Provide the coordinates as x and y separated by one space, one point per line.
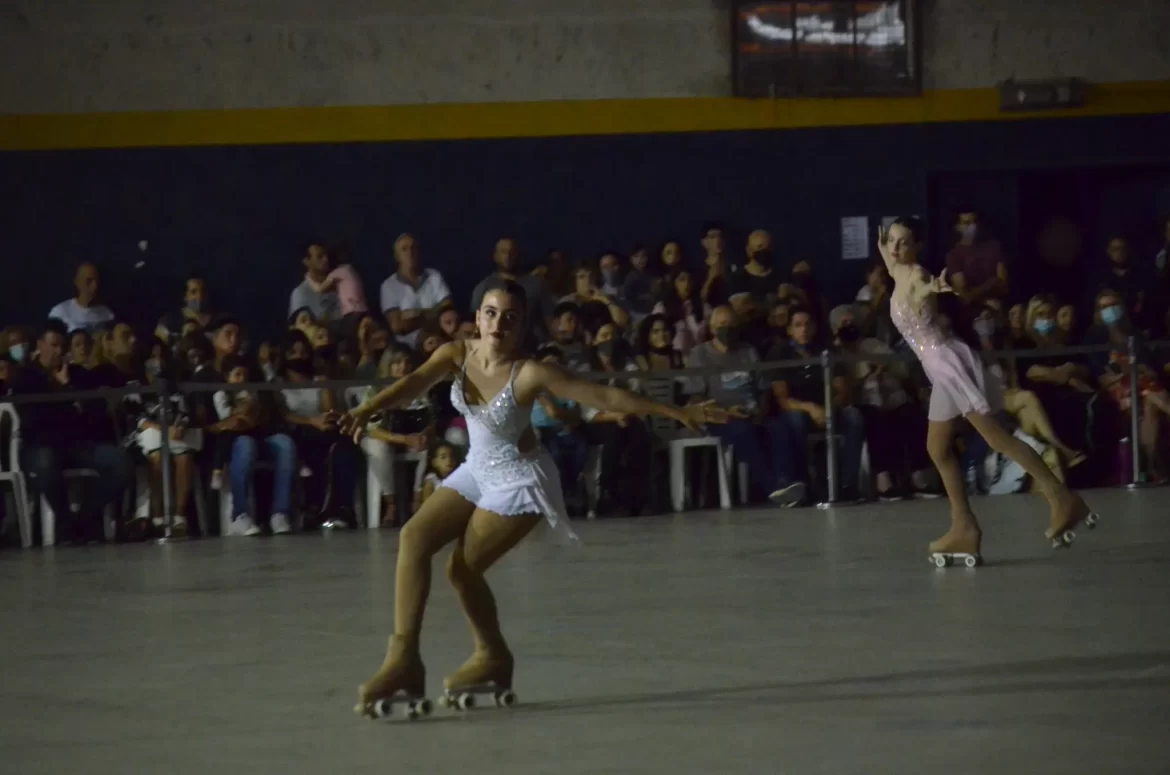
969 231
269 371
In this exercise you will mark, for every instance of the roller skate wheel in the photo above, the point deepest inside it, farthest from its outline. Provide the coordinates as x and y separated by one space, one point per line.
383 708
1091 521
505 699
424 707
465 701
970 561
411 712
941 561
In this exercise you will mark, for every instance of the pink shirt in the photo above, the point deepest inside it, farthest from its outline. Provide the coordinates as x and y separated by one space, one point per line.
349 290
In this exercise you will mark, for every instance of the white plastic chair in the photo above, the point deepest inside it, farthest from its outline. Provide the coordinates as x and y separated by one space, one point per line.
12 473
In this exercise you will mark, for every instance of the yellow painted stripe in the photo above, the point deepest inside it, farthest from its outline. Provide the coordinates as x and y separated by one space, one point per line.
538 119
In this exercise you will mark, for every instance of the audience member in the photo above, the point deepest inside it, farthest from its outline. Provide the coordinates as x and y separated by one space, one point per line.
15 343
54 438
556 274
976 268
684 308
414 295
323 304
195 311
594 307
569 335
671 256
800 400
508 267
83 310
442 460
1128 284
714 290
758 277
640 288
736 389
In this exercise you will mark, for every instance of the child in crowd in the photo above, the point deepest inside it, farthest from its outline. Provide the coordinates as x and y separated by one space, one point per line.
445 457
345 281
235 403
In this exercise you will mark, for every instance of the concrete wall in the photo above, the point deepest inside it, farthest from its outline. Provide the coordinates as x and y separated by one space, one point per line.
69 56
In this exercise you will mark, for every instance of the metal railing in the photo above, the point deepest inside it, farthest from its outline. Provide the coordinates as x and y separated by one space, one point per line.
826 361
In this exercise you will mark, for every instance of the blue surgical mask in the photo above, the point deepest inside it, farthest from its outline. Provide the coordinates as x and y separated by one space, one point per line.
1045 325
195 305
17 352
1112 314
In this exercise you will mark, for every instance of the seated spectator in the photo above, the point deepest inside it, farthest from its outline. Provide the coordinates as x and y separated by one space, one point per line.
758 276
558 424
714 291
640 288
268 359
800 400
369 342
330 457
54 438
80 349
810 290
1118 276
260 424
624 439
1113 373
184 442
1023 405
83 310
760 441
343 280
15 343
595 308
429 342
509 267
230 403
414 296
655 353
569 335
1017 334
443 459
324 305
449 323
683 306
194 312
894 423
556 274
976 267
778 317
671 256
1066 333
873 300
611 275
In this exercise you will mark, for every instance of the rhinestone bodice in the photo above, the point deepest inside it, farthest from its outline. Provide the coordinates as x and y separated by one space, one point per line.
494 430
916 326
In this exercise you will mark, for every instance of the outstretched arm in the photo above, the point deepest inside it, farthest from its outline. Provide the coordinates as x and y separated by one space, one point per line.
557 381
405 390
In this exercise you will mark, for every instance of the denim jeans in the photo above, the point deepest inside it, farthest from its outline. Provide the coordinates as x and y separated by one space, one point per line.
284 458
46 465
765 448
848 423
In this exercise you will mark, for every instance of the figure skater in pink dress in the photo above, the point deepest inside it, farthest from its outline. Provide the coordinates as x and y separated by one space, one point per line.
961 387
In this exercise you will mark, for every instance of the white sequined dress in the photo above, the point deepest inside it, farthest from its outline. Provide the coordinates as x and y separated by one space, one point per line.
959 382
497 476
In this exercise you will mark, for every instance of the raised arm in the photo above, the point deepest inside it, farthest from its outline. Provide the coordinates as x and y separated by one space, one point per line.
544 377
884 249
441 363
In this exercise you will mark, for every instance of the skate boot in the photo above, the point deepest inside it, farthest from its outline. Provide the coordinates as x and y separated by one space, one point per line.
401 680
486 672
957 547
1071 512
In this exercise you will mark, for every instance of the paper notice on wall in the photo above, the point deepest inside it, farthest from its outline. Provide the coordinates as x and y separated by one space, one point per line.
855 237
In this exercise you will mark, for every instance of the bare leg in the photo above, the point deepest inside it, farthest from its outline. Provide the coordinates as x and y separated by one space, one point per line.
1025 406
1067 507
184 472
489 537
156 484
443 519
964 534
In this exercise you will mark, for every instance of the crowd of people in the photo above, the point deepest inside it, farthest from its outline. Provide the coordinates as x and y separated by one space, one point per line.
629 315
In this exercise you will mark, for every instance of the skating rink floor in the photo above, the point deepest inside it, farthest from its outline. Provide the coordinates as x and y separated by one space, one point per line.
761 641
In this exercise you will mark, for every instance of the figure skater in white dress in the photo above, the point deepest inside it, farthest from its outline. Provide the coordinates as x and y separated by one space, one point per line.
506 487
961 387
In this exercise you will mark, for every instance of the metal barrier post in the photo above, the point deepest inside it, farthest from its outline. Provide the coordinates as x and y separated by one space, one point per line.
168 496
830 440
1135 411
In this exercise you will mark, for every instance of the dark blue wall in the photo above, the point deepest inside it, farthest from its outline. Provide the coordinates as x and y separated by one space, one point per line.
240 214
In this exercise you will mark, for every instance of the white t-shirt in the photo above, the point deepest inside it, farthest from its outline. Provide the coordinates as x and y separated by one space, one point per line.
75 316
396 294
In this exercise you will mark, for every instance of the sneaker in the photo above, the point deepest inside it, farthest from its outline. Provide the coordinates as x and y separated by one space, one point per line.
788 494
217 480
244 525
279 524
179 527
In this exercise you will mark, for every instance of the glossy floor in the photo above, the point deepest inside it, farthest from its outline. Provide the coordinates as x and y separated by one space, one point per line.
756 642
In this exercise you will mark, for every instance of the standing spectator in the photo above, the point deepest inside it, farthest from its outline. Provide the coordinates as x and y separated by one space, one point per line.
508 267
413 295
195 310
83 310
556 274
247 429
757 278
54 438
344 280
800 399
324 305
740 391
976 267
1121 278
596 308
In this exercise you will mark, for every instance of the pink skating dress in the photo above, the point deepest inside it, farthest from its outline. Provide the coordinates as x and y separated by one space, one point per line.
959 382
